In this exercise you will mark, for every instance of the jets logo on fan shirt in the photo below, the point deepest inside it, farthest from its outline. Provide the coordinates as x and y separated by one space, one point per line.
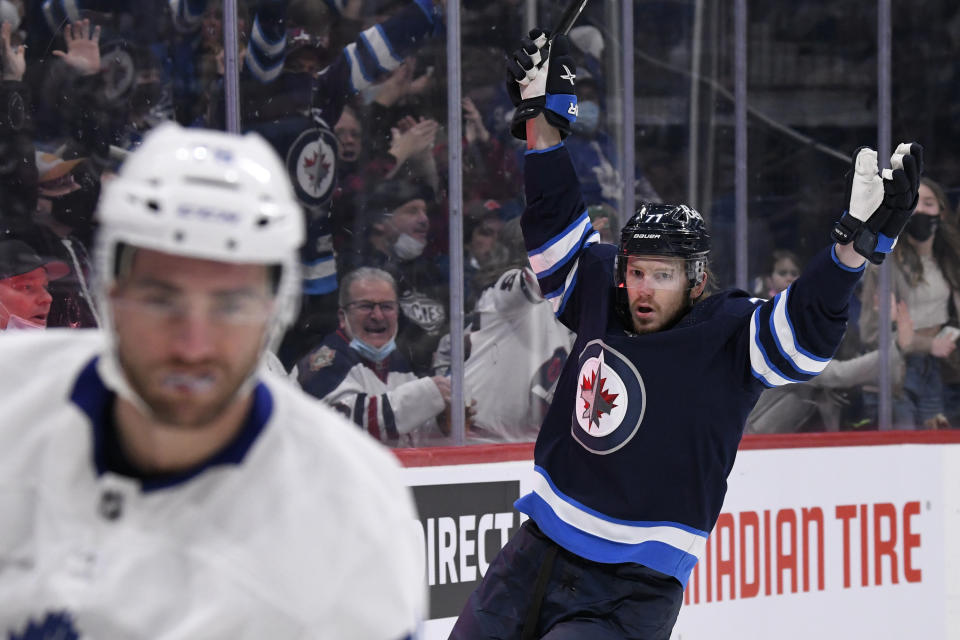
610 400
311 162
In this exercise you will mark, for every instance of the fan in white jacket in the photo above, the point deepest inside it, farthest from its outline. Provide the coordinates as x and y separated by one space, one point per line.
358 370
155 480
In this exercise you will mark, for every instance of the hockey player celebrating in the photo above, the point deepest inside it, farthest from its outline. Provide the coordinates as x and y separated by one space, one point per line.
156 481
634 452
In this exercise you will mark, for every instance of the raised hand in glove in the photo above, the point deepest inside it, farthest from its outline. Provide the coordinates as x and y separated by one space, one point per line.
880 206
541 79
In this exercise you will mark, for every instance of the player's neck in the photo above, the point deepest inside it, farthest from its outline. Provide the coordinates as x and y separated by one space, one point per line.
156 447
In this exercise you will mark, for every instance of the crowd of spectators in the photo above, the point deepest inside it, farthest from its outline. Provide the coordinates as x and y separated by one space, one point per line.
351 93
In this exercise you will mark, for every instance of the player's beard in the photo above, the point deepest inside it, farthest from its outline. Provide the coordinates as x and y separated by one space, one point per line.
188 396
670 319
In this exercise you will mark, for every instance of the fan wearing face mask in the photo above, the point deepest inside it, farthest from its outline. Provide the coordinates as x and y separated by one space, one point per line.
24 279
394 226
925 275
358 370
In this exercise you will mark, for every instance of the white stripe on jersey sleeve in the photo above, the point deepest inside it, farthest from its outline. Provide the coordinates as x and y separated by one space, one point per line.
376 38
786 342
558 299
320 268
358 79
761 367
558 250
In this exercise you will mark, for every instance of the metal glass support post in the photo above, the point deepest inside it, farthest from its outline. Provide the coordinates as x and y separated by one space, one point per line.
740 144
884 111
628 121
529 15
693 158
455 158
231 65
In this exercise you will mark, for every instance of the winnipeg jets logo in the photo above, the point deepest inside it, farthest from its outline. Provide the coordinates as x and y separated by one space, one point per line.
311 161
610 400
597 401
569 75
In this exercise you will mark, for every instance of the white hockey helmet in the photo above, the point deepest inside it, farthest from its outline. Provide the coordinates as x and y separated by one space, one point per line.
205 194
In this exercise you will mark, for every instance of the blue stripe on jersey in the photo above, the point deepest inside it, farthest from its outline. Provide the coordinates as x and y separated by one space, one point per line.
532 152
367 58
269 47
360 409
558 298
558 250
781 326
389 420
763 369
92 396
836 261
265 71
563 104
320 286
669 547
427 7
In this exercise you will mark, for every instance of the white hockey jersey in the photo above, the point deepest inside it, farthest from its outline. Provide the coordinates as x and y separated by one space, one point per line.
386 399
300 528
517 351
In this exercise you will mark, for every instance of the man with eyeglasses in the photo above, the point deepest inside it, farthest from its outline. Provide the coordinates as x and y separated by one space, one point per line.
358 370
155 480
393 229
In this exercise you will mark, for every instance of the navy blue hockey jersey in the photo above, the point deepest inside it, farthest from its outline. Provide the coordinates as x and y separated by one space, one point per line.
633 455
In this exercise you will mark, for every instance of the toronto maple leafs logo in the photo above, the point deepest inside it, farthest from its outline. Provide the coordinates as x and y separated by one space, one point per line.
610 399
57 625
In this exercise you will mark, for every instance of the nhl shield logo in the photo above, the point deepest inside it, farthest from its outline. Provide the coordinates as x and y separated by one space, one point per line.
312 162
610 400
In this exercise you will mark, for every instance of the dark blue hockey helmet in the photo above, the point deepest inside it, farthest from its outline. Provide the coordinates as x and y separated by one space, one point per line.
673 230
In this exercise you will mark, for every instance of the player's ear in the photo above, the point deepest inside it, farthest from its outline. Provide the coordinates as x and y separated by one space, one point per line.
342 317
697 291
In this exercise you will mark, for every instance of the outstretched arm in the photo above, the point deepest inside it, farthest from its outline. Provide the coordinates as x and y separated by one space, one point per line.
555 224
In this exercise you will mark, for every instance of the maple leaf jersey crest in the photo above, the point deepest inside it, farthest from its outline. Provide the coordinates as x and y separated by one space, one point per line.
597 401
610 399
54 625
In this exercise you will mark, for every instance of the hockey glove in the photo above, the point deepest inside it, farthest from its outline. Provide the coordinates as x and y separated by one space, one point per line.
541 79
901 186
879 207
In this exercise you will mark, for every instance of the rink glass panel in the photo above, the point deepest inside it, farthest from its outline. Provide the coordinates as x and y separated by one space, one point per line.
812 95
85 111
812 78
